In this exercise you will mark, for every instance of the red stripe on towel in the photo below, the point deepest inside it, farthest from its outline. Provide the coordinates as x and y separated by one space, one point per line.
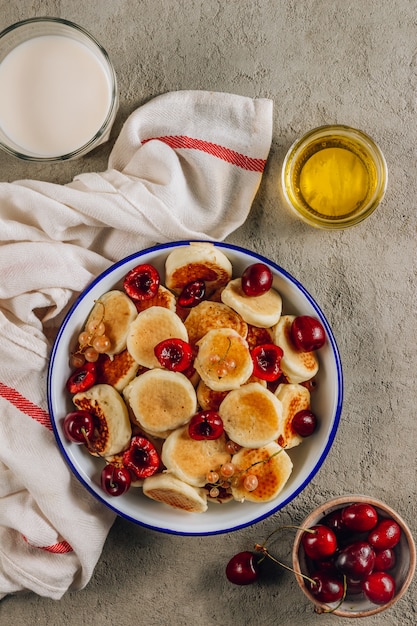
226 154
57 548
25 406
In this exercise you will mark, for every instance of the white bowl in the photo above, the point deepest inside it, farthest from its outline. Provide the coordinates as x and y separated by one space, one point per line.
134 506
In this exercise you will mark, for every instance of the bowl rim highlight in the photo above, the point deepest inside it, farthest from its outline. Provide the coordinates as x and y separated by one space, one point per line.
337 503
366 143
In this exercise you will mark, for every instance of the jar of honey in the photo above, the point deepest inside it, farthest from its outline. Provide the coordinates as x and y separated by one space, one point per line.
334 177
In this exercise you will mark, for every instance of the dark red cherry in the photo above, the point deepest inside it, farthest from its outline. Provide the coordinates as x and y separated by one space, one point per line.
334 521
386 534
243 568
142 282
115 481
356 560
256 279
319 544
78 426
266 360
326 588
141 458
359 517
384 560
307 333
83 378
174 354
304 423
205 425
192 294
379 587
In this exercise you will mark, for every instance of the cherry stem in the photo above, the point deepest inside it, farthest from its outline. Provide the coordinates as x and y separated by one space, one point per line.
265 552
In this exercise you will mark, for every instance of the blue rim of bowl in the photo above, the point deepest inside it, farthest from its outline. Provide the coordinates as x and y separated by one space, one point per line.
332 341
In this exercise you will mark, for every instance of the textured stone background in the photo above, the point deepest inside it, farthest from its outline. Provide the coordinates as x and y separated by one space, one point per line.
321 62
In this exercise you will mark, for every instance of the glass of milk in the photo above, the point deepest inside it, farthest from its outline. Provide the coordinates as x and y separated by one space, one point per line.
58 90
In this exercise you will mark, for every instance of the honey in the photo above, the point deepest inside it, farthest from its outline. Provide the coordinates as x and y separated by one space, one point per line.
334 177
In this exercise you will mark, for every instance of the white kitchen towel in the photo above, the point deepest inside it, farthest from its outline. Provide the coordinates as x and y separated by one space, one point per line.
186 165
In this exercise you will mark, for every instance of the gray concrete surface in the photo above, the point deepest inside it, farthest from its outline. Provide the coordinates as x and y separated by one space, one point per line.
321 61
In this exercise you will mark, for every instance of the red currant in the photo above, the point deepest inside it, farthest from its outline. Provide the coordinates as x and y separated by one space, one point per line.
141 458
115 480
359 517
304 423
82 379
174 354
243 568
386 534
379 587
266 361
205 425
142 282
326 588
78 426
307 333
319 544
256 279
356 560
192 294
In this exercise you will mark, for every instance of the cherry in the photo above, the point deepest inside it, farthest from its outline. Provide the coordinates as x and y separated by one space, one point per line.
319 544
379 587
115 480
386 534
174 354
256 279
356 560
192 294
359 517
141 458
304 423
334 521
142 282
243 568
82 379
326 588
266 360
384 560
307 333
78 426
205 425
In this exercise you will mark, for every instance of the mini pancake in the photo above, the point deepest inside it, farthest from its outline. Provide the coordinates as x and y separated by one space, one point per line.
117 371
294 398
252 415
212 315
263 310
297 366
270 464
174 492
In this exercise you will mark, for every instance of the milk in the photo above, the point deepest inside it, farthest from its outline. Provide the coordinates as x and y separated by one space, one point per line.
55 95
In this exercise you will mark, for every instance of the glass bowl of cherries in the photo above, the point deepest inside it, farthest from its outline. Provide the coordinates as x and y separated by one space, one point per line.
354 556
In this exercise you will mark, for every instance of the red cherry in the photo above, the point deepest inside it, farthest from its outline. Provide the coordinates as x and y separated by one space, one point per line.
304 423
334 521
385 535
115 480
78 426
174 354
379 587
359 517
142 282
356 560
266 361
384 560
141 458
82 379
192 294
326 588
319 544
205 425
307 333
256 279
243 568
